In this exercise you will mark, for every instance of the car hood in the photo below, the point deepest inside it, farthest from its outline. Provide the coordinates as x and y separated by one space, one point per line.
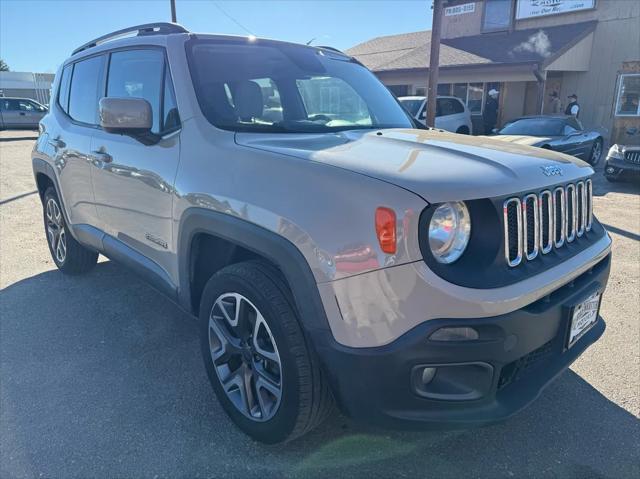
436 165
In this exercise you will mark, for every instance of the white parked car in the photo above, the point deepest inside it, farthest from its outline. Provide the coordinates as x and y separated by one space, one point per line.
451 113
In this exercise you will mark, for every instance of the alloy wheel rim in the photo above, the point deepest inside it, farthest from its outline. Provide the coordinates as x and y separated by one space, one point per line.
56 231
597 151
245 357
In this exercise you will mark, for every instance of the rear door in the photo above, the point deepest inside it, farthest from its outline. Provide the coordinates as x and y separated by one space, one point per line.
14 114
133 182
70 135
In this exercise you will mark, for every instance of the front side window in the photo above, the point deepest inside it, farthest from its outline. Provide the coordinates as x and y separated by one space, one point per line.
498 15
413 106
86 89
138 74
628 102
265 86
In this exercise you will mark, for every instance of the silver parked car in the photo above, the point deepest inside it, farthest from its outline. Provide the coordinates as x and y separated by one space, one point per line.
20 113
451 113
331 251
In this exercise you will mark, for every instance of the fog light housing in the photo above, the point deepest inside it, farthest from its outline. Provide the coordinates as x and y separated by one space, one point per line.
427 375
611 170
455 334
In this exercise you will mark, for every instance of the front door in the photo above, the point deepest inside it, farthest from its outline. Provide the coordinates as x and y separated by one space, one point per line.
133 182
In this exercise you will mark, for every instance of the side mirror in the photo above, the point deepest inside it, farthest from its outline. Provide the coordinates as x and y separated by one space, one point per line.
128 116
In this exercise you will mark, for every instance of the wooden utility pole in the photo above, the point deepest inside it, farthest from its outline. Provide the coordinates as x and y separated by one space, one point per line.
173 11
434 58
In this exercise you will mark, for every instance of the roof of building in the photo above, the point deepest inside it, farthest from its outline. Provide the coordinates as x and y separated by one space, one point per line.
410 51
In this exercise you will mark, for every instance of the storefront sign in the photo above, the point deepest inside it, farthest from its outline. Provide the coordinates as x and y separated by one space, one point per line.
460 9
539 8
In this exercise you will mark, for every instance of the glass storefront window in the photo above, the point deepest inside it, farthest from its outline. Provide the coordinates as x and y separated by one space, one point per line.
628 102
460 91
475 94
444 89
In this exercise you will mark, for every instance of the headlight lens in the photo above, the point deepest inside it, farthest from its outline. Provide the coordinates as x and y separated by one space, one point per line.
449 232
616 152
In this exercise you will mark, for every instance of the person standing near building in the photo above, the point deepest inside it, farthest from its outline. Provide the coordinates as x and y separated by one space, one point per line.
490 115
573 108
555 104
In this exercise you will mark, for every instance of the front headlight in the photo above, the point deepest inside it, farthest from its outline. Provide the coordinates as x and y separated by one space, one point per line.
616 151
449 232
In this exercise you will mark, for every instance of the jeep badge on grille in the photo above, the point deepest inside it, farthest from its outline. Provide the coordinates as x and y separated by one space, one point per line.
552 170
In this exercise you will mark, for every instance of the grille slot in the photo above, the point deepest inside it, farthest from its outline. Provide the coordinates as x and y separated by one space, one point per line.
531 229
538 223
546 221
513 231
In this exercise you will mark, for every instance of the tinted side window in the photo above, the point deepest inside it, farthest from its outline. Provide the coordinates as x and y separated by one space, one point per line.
63 89
10 105
574 123
170 117
86 90
138 74
457 106
448 106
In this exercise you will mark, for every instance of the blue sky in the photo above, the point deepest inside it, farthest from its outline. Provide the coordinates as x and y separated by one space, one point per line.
37 35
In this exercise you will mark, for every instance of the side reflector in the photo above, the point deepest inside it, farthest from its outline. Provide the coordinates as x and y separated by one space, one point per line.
386 229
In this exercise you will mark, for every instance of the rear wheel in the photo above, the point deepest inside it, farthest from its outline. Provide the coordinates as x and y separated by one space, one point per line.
68 255
596 152
265 376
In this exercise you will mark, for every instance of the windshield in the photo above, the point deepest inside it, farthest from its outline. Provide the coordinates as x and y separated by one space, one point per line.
266 86
412 106
534 127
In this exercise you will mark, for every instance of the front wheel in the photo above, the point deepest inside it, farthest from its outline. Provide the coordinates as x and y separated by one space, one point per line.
68 255
596 152
264 374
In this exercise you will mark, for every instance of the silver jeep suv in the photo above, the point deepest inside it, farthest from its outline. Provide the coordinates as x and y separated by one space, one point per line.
331 250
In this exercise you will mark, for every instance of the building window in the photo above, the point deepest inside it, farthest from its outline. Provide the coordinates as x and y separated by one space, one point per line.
444 89
497 16
628 102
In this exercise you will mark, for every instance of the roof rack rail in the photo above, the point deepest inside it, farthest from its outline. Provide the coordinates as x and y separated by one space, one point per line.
331 48
159 28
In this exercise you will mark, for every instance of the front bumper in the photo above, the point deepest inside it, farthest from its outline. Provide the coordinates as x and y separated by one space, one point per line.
618 169
516 356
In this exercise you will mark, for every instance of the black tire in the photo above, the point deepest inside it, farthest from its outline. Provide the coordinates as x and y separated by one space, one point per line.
463 130
305 399
76 259
596 149
611 179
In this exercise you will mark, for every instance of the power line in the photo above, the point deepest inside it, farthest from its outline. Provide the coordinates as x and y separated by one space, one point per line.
233 19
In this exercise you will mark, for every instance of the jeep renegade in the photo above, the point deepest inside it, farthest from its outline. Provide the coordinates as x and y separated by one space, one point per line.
331 250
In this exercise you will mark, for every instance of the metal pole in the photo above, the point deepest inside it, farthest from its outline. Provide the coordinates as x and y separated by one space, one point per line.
173 11
432 90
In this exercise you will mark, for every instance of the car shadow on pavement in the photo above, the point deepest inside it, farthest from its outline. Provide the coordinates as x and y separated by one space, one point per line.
100 376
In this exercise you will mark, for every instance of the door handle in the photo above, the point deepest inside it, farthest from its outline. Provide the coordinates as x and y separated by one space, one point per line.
22 113
57 143
102 156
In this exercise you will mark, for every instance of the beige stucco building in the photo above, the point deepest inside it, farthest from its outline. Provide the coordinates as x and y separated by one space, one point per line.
526 49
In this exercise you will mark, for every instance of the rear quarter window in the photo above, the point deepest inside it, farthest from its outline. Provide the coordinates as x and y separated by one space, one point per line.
63 88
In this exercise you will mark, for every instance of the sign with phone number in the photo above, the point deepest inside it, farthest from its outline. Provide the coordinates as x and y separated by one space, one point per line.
539 8
460 9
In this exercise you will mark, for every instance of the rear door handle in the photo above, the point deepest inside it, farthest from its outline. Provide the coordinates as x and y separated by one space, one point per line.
102 156
57 143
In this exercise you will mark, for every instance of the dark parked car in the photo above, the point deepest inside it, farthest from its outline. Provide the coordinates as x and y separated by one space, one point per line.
559 133
20 113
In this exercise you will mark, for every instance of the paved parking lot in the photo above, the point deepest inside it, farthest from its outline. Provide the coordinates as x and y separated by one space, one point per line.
100 376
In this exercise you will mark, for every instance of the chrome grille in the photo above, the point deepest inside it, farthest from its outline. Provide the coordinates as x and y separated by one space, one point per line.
539 222
632 157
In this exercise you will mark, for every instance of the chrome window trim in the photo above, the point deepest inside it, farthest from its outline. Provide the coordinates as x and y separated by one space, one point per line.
505 211
546 248
571 190
563 214
536 228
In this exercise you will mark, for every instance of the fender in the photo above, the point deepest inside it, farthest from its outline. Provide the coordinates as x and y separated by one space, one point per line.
280 251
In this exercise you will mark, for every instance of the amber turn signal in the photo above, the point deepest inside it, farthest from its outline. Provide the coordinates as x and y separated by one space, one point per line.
386 229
